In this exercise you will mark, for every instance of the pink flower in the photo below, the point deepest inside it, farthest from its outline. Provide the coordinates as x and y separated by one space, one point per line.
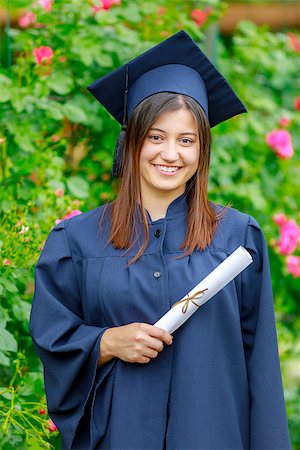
41 247
200 16
7 262
297 103
280 142
284 121
27 19
294 42
71 214
280 219
43 55
105 5
59 192
19 224
46 4
293 265
42 411
54 138
289 237
161 11
62 59
51 426
23 230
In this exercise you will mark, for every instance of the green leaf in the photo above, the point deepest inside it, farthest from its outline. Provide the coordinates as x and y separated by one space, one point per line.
60 83
74 113
78 187
21 310
4 360
5 84
8 285
7 340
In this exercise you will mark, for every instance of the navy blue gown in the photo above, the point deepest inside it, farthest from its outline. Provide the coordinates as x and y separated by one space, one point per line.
217 386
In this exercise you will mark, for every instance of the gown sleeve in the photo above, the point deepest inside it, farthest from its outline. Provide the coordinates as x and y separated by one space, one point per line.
268 423
67 346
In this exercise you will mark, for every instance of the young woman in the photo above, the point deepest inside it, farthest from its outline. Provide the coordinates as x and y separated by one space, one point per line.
113 380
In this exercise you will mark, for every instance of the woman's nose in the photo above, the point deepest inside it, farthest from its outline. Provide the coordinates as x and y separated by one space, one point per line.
170 151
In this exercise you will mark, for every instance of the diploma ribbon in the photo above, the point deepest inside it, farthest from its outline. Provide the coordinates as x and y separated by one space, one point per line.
188 299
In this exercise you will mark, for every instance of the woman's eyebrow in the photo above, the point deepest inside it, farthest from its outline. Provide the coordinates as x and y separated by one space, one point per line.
184 133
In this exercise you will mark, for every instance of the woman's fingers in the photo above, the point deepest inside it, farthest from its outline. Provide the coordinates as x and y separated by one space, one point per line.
161 334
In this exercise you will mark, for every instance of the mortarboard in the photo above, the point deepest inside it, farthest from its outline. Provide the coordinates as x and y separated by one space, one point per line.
175 65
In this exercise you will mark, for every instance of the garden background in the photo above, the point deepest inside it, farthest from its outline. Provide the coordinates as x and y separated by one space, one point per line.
56 146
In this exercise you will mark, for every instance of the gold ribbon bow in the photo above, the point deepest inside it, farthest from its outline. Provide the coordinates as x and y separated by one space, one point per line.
188 299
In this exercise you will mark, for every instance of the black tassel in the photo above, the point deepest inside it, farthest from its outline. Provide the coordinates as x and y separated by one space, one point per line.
119 148
118 154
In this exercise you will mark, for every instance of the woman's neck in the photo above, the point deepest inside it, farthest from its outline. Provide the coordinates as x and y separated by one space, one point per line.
157 205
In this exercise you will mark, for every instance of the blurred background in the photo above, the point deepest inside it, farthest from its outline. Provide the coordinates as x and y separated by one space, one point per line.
56 146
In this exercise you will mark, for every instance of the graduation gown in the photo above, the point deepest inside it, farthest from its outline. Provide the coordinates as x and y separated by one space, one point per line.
217 386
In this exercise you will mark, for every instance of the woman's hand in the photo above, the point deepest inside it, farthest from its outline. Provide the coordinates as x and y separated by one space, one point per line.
136 342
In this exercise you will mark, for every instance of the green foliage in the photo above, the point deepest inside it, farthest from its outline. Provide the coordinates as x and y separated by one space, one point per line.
56 147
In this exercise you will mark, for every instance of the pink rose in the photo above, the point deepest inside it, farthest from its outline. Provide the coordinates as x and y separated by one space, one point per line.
280 219
293 265
7 262
161 11
105 5
294 42
54 138
51 426
200 16
46 4
297 103
43 55
27 19
284 121
289 237
71 214
280 142
59 192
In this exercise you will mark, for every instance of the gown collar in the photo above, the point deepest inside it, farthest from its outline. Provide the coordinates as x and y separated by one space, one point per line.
175 208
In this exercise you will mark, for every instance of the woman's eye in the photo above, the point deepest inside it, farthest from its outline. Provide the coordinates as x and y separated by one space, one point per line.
186 140
155 137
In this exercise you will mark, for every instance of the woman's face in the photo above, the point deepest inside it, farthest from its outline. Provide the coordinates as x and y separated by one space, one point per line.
169 154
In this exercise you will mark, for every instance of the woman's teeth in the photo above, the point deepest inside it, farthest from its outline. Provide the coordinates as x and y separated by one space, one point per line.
167 169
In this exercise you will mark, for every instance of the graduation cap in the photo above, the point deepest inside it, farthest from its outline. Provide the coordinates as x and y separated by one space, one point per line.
175 65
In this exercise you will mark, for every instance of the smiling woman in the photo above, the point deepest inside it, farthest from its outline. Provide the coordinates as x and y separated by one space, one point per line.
114 380
153 187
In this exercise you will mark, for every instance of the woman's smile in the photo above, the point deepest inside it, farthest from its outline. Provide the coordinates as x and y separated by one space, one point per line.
167 170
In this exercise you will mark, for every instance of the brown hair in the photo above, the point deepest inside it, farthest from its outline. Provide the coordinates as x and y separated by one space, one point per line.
125 217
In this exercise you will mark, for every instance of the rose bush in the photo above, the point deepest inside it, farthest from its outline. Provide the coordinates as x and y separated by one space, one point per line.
56 147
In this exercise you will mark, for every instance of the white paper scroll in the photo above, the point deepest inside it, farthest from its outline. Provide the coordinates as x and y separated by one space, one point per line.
213 283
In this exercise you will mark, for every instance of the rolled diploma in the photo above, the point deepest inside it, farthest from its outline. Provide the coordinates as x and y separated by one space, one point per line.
232 266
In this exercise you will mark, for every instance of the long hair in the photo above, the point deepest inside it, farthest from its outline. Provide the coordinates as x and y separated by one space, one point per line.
125 217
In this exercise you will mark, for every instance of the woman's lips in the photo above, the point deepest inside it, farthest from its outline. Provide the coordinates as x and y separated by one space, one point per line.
167 170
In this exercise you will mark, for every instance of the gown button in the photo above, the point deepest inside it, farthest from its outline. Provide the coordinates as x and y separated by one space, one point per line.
157 233
157 274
